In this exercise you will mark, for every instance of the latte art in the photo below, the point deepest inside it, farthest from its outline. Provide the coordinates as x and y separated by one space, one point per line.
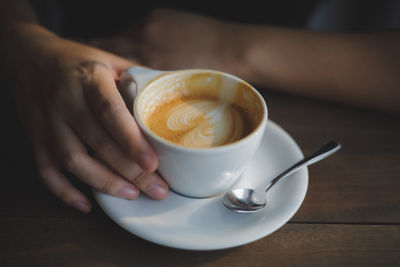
199 122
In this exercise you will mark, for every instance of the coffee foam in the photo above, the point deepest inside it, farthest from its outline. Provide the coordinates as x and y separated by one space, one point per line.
204 109
199 122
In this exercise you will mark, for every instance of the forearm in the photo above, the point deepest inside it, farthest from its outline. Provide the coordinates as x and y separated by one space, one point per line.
19 28
357 69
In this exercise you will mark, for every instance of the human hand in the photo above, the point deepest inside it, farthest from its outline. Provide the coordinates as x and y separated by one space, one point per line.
69 104
172 39
347 68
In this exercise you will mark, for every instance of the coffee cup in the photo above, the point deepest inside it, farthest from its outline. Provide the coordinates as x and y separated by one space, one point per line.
204 125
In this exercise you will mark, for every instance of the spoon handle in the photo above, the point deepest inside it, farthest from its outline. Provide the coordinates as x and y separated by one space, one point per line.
326 150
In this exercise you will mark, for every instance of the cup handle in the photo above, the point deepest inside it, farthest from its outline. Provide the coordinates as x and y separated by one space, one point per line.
133 80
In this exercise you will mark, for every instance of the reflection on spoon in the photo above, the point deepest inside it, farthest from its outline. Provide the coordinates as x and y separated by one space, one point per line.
246 200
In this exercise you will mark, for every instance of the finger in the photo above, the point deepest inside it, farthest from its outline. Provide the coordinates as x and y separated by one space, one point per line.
105 147
58 184
152 184
73 155
109 108
47 168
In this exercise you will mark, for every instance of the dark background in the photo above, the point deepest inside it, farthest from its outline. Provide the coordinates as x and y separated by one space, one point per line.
103 18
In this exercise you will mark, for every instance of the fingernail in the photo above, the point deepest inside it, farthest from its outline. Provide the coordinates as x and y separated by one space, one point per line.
157 191
128 193
82 206
147 162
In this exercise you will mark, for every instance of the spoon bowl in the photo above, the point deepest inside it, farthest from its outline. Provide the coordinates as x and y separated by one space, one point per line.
246 200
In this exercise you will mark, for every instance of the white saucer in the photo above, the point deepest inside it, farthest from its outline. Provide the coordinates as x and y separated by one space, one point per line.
205 224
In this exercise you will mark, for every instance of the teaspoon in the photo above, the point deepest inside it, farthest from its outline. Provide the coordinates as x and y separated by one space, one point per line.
248 200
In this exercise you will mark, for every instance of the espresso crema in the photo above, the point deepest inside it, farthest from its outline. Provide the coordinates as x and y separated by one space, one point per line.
199 122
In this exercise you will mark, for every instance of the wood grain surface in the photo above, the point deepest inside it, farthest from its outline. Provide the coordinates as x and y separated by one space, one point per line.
350 217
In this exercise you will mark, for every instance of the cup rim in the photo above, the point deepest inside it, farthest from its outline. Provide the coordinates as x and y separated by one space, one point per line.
216 149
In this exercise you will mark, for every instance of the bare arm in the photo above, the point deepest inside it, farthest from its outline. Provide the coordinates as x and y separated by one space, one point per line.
357 69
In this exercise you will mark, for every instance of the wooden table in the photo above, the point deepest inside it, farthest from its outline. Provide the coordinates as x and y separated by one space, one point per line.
350 216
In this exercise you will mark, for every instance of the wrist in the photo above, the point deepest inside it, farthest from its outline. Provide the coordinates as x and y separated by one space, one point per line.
240 51
25 41
254 57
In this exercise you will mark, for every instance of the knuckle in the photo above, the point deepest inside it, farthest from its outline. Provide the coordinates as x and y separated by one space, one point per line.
105 106
45 172
132 147
71 160
107 184
109 110
87 69
102 146
63 193
139 178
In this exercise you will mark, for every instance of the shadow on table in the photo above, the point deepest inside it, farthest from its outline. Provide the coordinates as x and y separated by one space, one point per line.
128 249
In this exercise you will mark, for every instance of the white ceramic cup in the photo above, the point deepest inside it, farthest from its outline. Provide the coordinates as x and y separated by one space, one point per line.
193 172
